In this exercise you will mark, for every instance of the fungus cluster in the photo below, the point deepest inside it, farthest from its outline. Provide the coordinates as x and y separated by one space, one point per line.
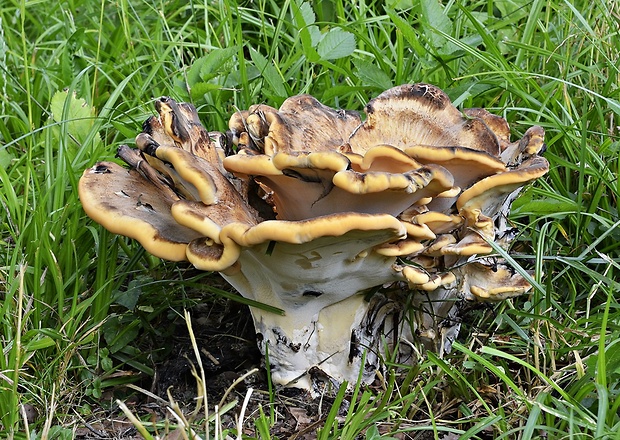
343 223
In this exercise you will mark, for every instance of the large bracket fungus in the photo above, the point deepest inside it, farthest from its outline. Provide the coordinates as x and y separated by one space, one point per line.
318 212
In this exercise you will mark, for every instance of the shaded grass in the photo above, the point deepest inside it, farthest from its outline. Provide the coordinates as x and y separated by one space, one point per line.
546 362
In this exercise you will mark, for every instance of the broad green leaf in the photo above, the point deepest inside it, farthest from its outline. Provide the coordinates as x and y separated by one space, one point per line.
435 22
371 75
70 50
309 17
303 17
269 72
5 158
106 362
410 34
210 71
400 4
542 207
129 298
372 433
74 112
119 332
72 116
315 35
37 339
200 89
127 130
307 14
234 79
515 9
193 74
213 64
336 44
434 16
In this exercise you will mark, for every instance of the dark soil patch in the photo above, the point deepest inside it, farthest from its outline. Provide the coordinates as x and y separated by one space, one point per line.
226 342
227 346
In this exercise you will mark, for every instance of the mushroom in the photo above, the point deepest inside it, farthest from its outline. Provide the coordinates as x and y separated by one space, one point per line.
317 212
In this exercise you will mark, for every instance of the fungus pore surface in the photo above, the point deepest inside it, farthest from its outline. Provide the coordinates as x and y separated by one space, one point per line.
342 223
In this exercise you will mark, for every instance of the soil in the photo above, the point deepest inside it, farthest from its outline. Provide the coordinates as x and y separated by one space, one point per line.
227 345
226 341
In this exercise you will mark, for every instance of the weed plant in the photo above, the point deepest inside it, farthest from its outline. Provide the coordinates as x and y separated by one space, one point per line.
79 77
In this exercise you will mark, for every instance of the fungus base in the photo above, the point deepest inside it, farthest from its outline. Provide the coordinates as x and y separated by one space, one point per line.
330 329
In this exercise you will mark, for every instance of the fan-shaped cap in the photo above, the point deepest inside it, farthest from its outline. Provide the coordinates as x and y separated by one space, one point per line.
301 124
420 114
494 281
343 231
487 195
125 203
306 185
532 143
465 164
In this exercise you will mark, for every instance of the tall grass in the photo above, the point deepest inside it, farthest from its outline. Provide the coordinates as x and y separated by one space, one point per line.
78 78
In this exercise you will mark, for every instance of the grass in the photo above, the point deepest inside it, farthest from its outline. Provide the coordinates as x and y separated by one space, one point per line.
78 78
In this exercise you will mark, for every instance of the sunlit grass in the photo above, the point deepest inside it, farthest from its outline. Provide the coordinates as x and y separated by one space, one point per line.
544 363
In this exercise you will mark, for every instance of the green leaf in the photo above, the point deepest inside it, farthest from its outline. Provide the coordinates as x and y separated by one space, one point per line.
515 9
127 130
129 298
39 343
214 63
106 362
75 116
118 332
5 158
372 433
400 4
560 208
409 32
208 69
200 89
336 44
435 22
304 17
341 92
70 50
269 73
59 433
306 14
234 79
371 75
434 16
315 35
